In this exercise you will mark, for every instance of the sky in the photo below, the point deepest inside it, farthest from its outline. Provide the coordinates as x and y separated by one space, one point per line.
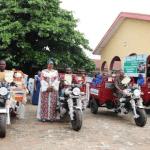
97 16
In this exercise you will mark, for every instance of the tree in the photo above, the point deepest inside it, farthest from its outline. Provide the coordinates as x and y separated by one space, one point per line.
27 26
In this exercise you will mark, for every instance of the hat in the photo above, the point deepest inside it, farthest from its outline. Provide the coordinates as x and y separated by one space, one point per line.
51 60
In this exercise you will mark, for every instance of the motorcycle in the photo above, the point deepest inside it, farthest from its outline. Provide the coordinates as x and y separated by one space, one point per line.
72 103
132 102
14 103
4 109
104 96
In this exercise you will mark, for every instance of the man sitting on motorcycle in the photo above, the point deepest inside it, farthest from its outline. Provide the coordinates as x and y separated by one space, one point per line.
64 86
2 77
119 86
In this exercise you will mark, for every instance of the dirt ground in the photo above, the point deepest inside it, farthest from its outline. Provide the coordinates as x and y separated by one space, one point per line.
105 130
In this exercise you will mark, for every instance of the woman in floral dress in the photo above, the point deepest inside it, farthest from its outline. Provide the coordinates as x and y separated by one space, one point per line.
48 93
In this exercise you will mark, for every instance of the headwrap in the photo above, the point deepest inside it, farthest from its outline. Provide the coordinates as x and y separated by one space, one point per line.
140 80
99 78
52 59
39 71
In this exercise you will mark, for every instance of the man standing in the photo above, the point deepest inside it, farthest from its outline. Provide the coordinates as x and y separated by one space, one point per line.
119 86
2 70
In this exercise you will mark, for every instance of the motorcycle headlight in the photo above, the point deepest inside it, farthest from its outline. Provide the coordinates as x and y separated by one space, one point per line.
137 93
76 91
3 91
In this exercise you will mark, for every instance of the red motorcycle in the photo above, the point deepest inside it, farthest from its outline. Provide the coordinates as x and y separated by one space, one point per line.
103 95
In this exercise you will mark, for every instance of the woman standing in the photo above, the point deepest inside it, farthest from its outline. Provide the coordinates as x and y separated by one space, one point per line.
48 93
37 84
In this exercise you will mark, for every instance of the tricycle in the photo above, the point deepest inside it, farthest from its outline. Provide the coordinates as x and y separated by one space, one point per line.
103 95
145 92
72 102
9 97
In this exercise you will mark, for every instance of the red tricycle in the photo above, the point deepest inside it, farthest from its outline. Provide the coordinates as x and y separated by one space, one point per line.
103 95
145 92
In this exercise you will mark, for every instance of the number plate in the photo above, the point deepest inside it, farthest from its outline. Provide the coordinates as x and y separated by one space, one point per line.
94 91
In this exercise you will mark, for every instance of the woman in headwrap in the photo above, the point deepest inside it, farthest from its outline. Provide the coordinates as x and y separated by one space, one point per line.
37 85
48 93
99 79
140 80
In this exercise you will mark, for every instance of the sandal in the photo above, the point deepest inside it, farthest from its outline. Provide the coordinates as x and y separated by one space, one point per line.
43 120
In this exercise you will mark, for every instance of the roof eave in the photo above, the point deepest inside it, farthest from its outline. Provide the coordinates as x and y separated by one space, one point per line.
115 27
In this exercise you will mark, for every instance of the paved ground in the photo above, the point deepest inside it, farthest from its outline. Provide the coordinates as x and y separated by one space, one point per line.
105 130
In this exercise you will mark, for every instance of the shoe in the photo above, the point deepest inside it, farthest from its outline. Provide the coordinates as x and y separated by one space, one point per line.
51 120
43 120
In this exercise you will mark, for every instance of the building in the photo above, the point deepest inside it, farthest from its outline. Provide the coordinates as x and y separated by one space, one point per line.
129 35
97 64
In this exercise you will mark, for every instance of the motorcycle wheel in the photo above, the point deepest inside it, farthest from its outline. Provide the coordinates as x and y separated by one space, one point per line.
94 106
2 125
77 120
141 121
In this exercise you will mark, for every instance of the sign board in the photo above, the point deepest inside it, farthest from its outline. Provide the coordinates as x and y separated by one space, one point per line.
68 78
135 65
9 76
94 91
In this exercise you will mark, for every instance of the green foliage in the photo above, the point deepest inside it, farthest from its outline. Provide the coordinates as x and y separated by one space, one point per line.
27 26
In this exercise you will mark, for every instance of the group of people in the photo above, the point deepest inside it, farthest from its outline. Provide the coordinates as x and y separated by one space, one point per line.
98 79
46 88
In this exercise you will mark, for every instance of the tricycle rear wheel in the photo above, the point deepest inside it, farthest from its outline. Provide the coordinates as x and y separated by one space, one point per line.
93 106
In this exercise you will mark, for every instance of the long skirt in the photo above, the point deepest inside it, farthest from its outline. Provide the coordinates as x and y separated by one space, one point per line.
47 105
